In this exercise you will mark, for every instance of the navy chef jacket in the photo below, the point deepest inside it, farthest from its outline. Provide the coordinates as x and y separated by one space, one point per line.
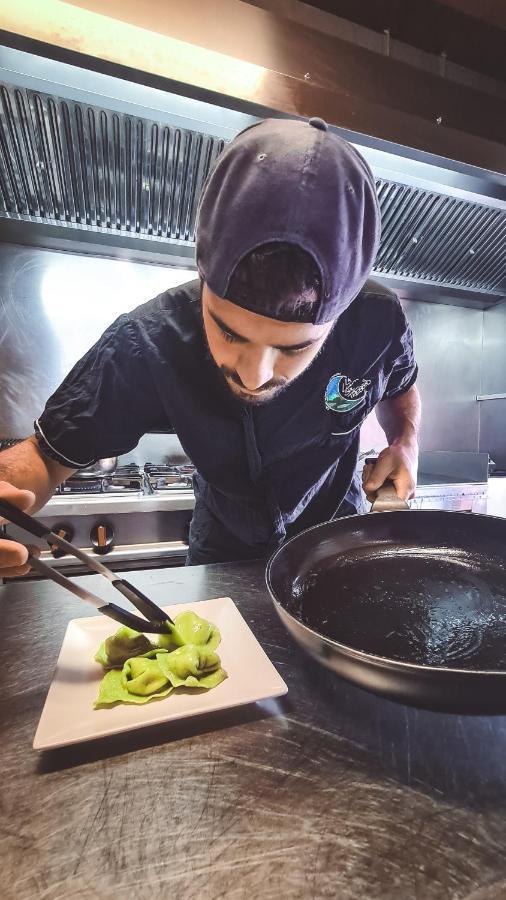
264 472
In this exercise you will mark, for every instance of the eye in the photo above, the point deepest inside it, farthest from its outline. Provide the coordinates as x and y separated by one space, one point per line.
294 352
228 337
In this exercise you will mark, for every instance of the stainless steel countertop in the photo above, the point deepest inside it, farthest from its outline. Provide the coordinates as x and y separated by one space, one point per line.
330 792
95 504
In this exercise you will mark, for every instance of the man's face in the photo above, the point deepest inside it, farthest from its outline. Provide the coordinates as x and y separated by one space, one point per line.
257 356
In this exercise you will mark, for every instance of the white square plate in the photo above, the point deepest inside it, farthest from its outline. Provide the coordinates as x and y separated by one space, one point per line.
68 716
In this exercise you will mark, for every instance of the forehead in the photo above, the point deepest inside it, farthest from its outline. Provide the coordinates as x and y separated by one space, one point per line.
259 329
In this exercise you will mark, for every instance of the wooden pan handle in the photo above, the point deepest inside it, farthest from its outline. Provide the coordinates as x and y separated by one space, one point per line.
387 498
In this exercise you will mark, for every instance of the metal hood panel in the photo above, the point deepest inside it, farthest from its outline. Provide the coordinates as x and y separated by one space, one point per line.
74 164
439 239
87 157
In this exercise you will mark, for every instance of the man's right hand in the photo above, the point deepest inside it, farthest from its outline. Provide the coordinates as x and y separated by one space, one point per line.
13 556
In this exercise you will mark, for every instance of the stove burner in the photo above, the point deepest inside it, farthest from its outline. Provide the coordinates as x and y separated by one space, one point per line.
126 479
161 477
130 478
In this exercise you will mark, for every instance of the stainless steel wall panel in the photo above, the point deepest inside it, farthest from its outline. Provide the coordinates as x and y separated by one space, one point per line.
53 307
493 412
448 350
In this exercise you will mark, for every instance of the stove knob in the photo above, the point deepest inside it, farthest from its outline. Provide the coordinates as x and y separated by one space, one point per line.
63 531
102 538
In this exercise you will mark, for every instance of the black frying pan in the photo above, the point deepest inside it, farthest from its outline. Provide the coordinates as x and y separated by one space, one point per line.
410 604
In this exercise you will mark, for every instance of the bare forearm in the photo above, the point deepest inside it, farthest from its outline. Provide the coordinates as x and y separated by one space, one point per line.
25 467
400 418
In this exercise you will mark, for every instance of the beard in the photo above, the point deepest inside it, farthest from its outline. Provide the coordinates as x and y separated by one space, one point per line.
267 392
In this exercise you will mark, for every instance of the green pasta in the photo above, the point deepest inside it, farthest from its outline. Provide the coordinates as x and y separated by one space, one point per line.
189 628
143 676
112 691
191 666
140 672
122 645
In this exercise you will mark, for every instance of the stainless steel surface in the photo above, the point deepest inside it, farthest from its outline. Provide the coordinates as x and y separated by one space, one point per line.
141 531
142 555
82 157
35 72
102 479
104 466
85 166
491 397
460 497
38 565
327 793
493 382
168 477
53 307
430 292
437 239
61 505
439 466
493 430
494 343
448 350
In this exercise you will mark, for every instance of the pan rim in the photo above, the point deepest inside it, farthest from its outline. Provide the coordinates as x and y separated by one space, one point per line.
362 655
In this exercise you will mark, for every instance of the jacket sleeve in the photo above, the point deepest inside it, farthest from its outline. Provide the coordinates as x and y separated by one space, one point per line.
401 370
105 404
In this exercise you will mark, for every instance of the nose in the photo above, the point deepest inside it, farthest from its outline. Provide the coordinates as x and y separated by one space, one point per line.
255 368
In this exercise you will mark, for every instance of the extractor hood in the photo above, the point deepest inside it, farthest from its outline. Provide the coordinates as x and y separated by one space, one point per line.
118 164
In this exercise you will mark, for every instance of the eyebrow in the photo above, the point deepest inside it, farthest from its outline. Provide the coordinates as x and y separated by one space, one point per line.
243 340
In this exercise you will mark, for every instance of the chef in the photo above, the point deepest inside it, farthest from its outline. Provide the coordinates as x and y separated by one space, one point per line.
265 365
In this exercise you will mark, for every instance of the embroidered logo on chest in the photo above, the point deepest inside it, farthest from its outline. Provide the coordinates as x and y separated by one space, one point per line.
343 394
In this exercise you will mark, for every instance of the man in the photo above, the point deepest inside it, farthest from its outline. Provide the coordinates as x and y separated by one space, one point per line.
265 366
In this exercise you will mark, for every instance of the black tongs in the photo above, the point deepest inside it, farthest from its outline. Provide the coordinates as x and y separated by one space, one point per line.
156 619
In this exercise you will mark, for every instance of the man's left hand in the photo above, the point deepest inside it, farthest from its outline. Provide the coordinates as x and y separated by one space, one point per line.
397 463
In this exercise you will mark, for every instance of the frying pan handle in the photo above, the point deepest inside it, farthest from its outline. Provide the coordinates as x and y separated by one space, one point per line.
387 498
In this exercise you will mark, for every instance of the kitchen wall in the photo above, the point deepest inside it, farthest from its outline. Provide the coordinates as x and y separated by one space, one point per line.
493 412
448 341
53 306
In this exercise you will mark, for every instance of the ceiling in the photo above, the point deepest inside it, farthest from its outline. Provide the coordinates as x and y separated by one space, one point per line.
471 32
491 11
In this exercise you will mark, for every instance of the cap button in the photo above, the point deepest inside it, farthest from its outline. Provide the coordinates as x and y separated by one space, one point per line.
318 123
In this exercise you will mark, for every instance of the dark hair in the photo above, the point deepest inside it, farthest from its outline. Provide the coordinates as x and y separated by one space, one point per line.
279 280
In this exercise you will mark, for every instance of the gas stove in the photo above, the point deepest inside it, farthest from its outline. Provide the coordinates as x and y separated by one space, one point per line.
168 478
136 515
125 479
130 479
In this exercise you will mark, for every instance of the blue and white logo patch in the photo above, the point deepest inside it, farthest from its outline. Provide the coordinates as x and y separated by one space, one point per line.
343 394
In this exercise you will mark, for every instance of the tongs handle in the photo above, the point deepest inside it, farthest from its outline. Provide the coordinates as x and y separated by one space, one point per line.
22 520
154 615
108 609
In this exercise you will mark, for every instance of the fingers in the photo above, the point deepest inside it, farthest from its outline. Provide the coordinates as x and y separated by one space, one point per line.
12 554
376 475
23 499
13 559
388 467
15 571
404 485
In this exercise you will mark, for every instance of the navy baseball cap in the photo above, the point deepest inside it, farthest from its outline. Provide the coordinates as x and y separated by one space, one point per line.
296 182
